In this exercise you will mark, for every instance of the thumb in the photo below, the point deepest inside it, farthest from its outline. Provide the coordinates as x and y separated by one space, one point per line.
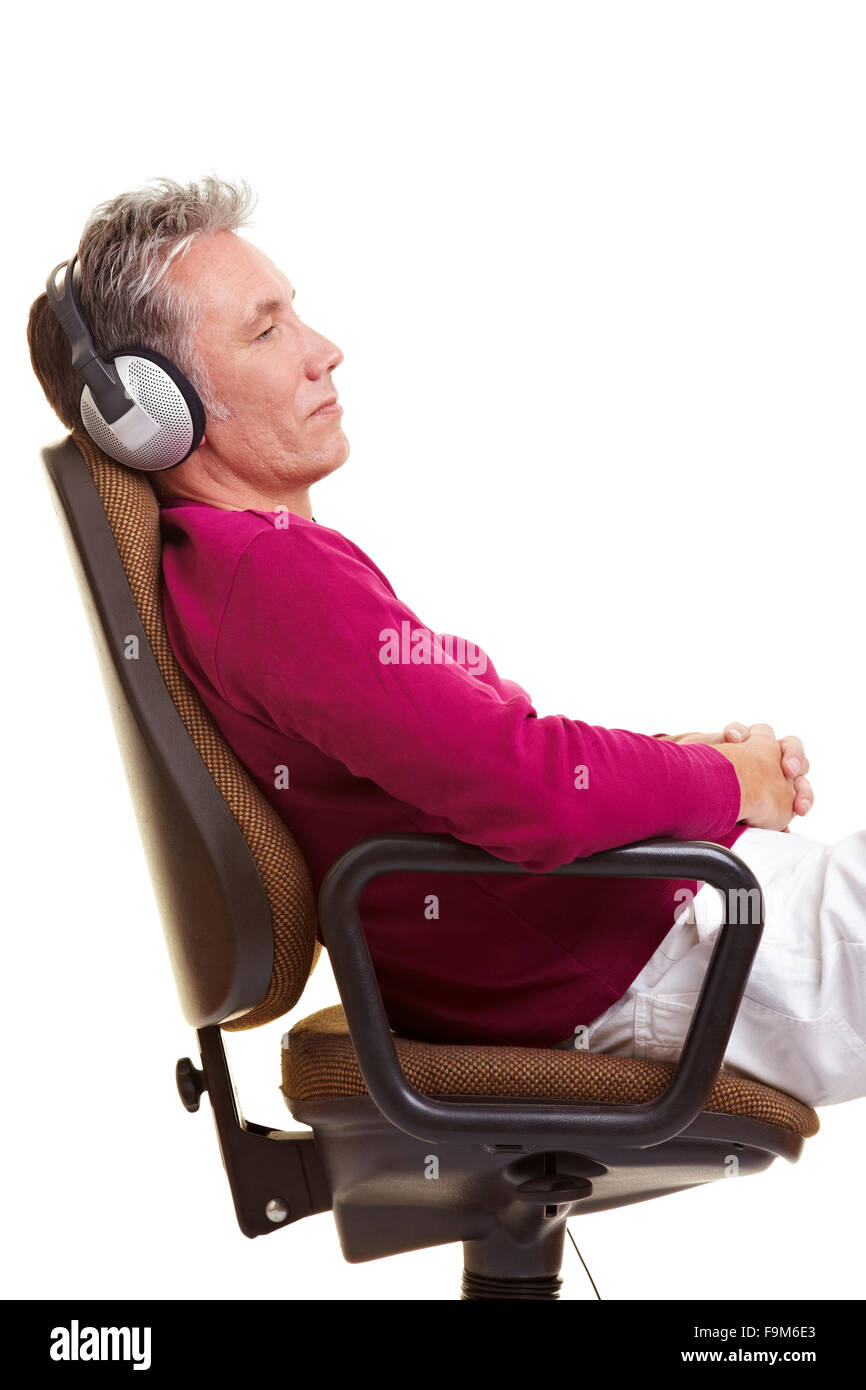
736 732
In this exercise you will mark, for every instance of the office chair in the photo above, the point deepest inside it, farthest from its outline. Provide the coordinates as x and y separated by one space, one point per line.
410 1144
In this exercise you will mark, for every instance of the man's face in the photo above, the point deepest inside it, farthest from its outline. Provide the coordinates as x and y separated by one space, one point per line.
269 368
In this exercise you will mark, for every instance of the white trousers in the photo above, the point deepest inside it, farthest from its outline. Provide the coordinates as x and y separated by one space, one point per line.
801 1026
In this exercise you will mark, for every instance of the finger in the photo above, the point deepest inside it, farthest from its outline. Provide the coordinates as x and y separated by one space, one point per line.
803 796
735 732
794 758
763 730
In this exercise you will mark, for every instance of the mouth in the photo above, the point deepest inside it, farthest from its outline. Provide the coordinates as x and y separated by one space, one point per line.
329 407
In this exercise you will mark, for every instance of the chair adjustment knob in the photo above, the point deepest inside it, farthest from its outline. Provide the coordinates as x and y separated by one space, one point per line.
190 1083
554 1189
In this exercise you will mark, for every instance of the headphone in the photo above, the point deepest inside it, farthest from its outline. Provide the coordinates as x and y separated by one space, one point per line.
137 406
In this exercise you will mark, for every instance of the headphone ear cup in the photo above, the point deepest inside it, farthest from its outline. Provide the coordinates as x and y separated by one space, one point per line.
186 388
167 398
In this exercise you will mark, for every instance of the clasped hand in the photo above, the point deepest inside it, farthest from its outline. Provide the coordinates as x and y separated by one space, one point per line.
761 804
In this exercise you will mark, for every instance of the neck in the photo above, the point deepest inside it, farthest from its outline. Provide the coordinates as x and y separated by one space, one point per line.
195 481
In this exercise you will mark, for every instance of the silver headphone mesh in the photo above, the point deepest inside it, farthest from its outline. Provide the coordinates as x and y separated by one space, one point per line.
155 391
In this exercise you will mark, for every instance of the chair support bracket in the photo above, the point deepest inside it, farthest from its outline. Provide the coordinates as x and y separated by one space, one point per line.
276 1176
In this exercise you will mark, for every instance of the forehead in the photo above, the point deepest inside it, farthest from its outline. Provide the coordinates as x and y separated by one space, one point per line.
237 278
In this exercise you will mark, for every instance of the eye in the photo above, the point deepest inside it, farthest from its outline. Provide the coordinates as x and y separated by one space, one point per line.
263 337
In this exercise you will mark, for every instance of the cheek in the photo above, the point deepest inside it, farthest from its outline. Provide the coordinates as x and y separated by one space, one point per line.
278 382
267 391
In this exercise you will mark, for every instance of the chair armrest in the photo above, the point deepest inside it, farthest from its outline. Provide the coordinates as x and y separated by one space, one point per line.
631 1126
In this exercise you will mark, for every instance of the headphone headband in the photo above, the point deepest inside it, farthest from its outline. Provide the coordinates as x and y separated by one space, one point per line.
102 378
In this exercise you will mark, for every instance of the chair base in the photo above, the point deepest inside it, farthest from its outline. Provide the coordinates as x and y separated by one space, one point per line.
507 1204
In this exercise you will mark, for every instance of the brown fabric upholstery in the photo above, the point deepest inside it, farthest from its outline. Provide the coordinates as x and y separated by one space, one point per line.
133 514
319 1062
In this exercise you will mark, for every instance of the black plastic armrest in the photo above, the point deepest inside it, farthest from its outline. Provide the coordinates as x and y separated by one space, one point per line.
632 1126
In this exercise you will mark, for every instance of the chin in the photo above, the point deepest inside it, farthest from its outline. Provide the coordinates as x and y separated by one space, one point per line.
340 456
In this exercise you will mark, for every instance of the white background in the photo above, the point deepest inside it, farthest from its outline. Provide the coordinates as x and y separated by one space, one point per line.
598 274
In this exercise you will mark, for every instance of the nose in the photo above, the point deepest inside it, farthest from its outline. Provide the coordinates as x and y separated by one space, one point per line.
324 355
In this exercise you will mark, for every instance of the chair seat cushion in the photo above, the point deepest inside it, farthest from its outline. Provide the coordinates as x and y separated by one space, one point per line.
319 1062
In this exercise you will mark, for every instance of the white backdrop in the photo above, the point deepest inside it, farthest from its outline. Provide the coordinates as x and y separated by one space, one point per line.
598 274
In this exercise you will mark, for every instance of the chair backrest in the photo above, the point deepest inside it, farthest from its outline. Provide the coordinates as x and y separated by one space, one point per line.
234 893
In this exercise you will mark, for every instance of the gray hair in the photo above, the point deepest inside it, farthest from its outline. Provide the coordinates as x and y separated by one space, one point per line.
126 248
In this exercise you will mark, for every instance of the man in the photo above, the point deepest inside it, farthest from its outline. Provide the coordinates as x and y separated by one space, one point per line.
355 719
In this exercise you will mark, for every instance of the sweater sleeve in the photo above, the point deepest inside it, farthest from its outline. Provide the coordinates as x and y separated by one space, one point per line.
306 643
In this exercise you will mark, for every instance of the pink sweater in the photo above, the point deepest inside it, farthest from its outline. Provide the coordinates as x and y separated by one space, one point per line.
355 719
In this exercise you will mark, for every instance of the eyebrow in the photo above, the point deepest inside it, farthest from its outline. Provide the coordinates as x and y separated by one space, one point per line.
261 309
